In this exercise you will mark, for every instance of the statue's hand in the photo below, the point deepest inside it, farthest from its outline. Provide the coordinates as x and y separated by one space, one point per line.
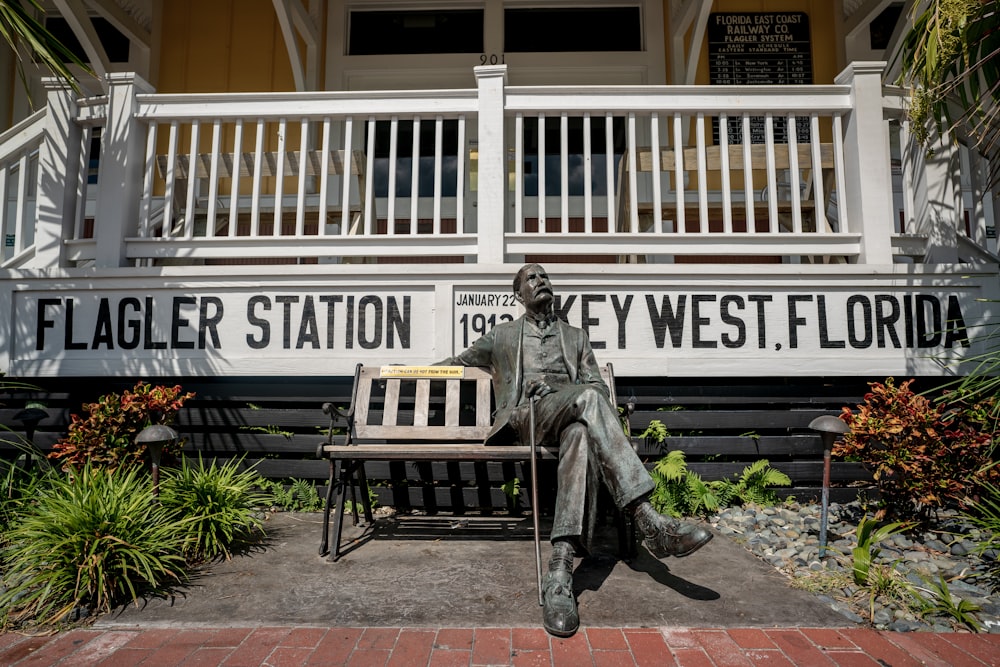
538 388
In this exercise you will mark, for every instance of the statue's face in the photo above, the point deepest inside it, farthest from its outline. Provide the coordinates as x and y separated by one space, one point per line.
535 291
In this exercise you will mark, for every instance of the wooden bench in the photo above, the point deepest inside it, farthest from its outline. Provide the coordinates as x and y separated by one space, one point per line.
415 413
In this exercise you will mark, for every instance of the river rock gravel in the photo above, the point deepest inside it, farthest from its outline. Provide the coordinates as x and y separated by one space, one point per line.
787 536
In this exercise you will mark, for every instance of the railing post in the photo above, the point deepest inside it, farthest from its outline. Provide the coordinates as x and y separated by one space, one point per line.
58 167
492 200
119 181
868 200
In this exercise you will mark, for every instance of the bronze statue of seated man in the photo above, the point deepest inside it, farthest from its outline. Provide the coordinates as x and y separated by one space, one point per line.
539 357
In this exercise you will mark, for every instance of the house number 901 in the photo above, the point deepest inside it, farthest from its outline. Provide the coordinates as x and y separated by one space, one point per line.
490 59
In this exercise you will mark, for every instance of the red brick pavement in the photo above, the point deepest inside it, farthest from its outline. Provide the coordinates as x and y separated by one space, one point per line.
662 647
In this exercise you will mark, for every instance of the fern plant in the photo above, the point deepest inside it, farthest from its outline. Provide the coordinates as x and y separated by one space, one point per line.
682 492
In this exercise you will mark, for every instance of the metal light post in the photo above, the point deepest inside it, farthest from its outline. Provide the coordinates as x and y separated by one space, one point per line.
155 438
830 428
30 417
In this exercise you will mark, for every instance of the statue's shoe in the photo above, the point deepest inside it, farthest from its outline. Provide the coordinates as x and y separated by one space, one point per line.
559 613
665 536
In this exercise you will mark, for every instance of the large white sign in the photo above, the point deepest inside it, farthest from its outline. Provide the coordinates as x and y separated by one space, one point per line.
827 328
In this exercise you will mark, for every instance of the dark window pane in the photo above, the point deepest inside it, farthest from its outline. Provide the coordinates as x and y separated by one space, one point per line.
592 29
115 44
400 32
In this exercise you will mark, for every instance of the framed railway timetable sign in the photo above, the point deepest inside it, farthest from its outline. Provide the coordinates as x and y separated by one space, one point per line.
759 49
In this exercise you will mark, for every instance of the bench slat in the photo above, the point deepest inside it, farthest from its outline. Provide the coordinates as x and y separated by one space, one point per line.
421 408
451 404
390 414
438 451
483 388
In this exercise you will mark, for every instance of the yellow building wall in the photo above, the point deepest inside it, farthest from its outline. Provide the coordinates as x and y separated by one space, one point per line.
222 46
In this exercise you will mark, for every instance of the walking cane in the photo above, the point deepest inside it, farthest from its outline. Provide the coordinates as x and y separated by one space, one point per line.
534 497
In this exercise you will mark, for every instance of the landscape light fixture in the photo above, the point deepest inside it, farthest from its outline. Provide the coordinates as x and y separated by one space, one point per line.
155 438
830 428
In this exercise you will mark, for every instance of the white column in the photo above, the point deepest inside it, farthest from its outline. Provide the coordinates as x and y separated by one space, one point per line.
492 194
58 170
119 183
868 199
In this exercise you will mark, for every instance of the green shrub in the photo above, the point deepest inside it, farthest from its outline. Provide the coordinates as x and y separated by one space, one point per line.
93 538
297 495
217 506
106 437
921 454
681 492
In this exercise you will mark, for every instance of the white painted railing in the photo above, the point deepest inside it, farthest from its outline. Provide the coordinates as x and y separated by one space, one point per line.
489 175
19 189
663 171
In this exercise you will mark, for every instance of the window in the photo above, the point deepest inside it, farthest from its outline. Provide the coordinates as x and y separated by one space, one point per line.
537 30
415 31
116 45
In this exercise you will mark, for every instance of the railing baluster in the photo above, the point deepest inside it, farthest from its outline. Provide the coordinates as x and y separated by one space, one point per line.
909 197
21 207
369 203
393 140
279 176
609 170
192 183
304 161
258 172
727 186
146 207
82 163
588 172
5 222
838 167
324 177
415 177
345 183
654 131
234 184
564 172
748 187
519 173
679 173
460 179
213 177
633 175
438 164
818 193
772 175
171 182
541 173
793 174
699 137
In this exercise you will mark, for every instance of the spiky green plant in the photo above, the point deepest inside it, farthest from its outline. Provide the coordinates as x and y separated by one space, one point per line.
940 602
92 538
219 505
869 537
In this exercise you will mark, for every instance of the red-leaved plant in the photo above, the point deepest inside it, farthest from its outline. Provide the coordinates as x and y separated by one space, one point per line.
922 454
106 437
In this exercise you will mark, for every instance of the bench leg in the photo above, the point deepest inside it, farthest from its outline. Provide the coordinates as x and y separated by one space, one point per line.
346 469
366 500
324 544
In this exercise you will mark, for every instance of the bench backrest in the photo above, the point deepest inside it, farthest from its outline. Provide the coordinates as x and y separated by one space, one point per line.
427 403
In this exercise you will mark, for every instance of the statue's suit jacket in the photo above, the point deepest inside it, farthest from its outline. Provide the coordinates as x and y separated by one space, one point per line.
501 350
